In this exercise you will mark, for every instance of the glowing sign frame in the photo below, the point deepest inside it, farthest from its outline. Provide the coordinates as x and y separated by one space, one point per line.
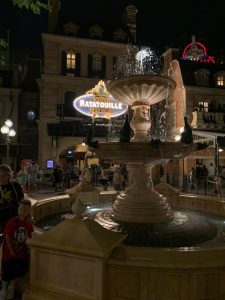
206 58
98 103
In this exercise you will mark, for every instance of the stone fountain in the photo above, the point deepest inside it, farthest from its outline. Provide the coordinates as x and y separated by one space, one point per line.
141 210
140 249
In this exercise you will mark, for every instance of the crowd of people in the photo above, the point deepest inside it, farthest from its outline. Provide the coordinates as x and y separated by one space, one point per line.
15 211
69 175
206 176
30 177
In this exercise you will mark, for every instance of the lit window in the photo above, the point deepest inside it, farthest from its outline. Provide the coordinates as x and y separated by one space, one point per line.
220 80
97 62
70 60
203 106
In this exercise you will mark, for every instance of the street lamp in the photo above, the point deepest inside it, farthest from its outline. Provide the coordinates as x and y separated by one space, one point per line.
9 133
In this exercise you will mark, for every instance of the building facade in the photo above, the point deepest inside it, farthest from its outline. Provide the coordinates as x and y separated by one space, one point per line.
199 95
9 104
72 66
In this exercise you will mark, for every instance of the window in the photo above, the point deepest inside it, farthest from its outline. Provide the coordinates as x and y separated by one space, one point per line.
203 106
70 63
220 80
202 77
97 62
70 60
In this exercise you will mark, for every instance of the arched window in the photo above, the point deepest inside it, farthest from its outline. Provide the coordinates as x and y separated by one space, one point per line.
202 77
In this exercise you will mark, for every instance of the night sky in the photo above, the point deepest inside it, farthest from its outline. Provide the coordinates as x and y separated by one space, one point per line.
159 23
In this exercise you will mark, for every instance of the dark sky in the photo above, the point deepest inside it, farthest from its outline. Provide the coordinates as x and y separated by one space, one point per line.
159 22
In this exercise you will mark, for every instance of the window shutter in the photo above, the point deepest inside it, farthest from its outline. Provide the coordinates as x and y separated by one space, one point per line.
103 66
90 59
63 63
77 64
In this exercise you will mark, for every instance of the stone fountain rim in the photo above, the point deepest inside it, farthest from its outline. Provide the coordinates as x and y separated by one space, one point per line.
145 79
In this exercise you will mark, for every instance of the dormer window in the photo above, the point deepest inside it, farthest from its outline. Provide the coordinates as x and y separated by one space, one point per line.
202 77
71 29
95 32
119 35
97 62
220 79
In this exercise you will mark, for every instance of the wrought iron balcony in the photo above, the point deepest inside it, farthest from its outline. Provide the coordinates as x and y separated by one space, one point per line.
208 120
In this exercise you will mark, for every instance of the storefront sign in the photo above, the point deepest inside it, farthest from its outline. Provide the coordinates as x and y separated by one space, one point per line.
197 51
98 103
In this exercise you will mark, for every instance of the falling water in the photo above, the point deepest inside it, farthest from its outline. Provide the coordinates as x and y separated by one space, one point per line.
137 61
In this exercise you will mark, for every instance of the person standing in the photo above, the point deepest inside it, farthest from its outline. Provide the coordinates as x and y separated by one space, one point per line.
14 252
11 193
32 172
58 177
211 174
22 178
192 180
118 180
39 179
104 178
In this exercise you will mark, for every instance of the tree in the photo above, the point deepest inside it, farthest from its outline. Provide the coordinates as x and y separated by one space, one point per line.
34 5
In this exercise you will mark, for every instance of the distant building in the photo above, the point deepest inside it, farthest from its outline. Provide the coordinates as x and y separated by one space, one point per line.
76 57
199 95
9 102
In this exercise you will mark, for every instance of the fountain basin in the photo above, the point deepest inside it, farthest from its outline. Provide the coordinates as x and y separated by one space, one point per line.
144 89
181 273
143 152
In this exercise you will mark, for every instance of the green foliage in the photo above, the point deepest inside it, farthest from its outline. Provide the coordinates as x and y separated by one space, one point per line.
34 5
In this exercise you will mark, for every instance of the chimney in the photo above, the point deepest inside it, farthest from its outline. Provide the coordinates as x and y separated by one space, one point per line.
129 18
53 15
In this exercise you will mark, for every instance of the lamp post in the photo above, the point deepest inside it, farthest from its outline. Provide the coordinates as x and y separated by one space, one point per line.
8 131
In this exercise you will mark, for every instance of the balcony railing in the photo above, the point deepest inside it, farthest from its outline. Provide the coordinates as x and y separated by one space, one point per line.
208 120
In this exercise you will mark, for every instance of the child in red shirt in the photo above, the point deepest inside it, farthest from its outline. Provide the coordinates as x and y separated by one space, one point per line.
15 252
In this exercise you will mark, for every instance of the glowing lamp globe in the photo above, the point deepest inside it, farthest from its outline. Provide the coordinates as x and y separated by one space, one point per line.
4 129
12 132
9 123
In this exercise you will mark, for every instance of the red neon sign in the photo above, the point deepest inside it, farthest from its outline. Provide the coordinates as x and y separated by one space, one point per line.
197 51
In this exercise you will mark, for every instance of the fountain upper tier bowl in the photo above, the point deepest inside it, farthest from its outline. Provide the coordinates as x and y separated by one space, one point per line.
144 89
144 152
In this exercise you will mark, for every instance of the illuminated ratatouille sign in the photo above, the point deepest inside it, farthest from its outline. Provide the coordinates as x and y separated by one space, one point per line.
197 51
98 103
